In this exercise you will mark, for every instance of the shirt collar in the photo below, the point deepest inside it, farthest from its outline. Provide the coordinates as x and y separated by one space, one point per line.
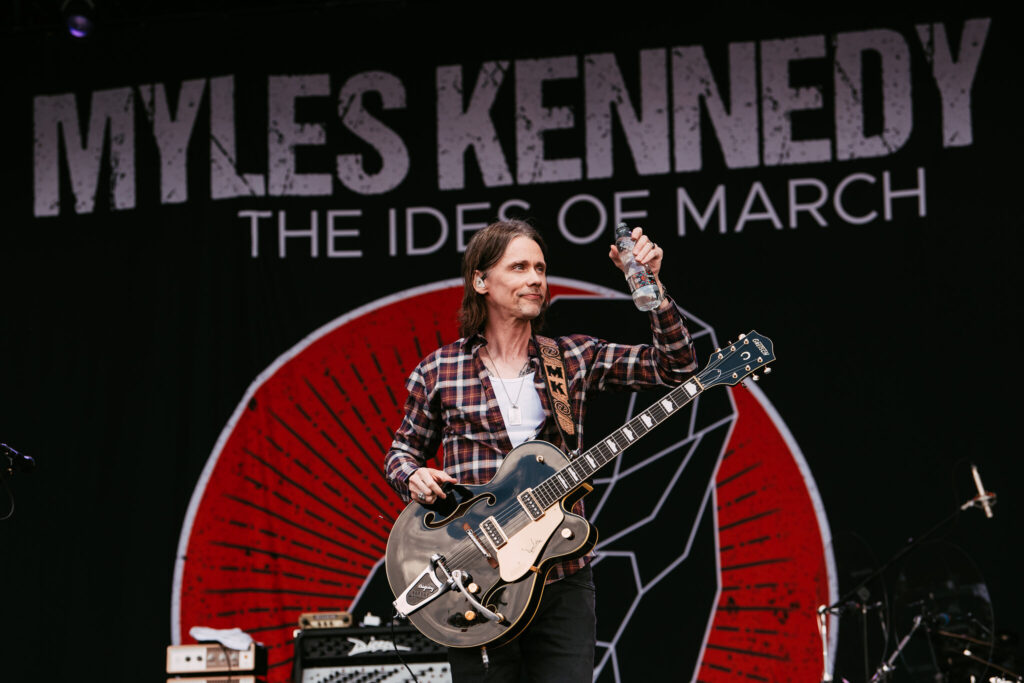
473 342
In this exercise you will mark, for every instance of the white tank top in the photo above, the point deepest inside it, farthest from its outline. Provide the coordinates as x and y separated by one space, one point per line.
530 413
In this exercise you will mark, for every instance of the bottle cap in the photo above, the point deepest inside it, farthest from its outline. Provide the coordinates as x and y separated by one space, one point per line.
622 230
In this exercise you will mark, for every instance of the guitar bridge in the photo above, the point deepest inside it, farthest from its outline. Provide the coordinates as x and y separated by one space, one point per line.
479 546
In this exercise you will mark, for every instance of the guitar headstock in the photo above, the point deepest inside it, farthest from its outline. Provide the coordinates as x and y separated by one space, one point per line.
734 363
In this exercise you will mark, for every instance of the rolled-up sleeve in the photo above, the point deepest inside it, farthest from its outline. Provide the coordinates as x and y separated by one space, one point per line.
668 361
419 435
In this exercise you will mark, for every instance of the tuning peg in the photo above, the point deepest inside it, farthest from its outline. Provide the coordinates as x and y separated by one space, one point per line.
742 336
755 377
768 371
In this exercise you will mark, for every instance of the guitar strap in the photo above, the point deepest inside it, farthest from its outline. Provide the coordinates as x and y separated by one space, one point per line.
557 384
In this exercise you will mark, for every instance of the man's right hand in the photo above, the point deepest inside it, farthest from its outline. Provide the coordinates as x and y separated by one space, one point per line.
425 484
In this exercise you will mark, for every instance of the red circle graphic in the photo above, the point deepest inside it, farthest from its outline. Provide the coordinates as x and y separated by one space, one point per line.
292 512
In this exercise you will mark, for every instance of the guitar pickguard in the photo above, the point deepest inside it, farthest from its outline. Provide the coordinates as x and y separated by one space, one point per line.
520 553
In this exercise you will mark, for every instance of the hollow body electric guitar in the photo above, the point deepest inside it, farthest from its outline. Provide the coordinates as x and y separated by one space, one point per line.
469 570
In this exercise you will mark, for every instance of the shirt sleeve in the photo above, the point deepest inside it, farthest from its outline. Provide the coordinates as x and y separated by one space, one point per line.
419 435
668 361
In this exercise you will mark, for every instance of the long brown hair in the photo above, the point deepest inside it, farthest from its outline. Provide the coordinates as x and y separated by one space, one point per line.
484 250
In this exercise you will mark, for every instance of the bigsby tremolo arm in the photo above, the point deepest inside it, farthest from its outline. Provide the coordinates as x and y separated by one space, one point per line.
457 577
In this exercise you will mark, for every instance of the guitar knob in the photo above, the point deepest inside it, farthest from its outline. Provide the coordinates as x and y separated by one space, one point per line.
473 588
567 533
470 615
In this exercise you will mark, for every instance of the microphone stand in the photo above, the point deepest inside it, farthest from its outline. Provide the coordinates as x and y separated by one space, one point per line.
839 607
887 668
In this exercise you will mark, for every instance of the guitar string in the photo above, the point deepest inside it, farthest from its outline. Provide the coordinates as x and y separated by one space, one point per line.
602 453
514 518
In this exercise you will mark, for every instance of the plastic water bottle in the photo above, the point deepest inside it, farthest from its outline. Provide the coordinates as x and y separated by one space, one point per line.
646 294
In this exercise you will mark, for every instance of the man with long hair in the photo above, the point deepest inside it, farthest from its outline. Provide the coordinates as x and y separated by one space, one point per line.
484 394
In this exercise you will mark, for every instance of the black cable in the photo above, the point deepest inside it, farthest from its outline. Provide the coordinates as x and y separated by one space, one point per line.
398 653
10 496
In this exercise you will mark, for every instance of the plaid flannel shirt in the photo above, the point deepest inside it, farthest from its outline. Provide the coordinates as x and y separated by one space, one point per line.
452 403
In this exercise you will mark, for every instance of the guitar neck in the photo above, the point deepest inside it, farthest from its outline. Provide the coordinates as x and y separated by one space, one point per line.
558 485
728 366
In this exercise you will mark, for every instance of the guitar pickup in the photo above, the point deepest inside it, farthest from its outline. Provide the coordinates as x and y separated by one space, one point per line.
530 504
493 532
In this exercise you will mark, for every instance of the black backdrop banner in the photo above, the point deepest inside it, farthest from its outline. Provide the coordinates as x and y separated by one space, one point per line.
230 236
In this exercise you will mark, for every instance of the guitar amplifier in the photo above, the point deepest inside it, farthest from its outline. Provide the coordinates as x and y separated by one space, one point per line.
331 655
206 658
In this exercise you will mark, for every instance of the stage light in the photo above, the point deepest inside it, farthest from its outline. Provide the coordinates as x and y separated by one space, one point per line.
78 16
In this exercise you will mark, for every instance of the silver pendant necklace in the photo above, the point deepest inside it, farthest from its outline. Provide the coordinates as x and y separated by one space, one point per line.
515 414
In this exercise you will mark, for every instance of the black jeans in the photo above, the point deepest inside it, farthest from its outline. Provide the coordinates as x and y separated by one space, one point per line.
557 646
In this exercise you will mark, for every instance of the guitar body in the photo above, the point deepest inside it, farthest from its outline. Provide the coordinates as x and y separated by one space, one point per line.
511 580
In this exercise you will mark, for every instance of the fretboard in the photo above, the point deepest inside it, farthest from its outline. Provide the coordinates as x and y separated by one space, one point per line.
558 485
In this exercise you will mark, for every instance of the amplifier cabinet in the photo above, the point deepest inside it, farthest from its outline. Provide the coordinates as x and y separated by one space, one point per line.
203 658
325 655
